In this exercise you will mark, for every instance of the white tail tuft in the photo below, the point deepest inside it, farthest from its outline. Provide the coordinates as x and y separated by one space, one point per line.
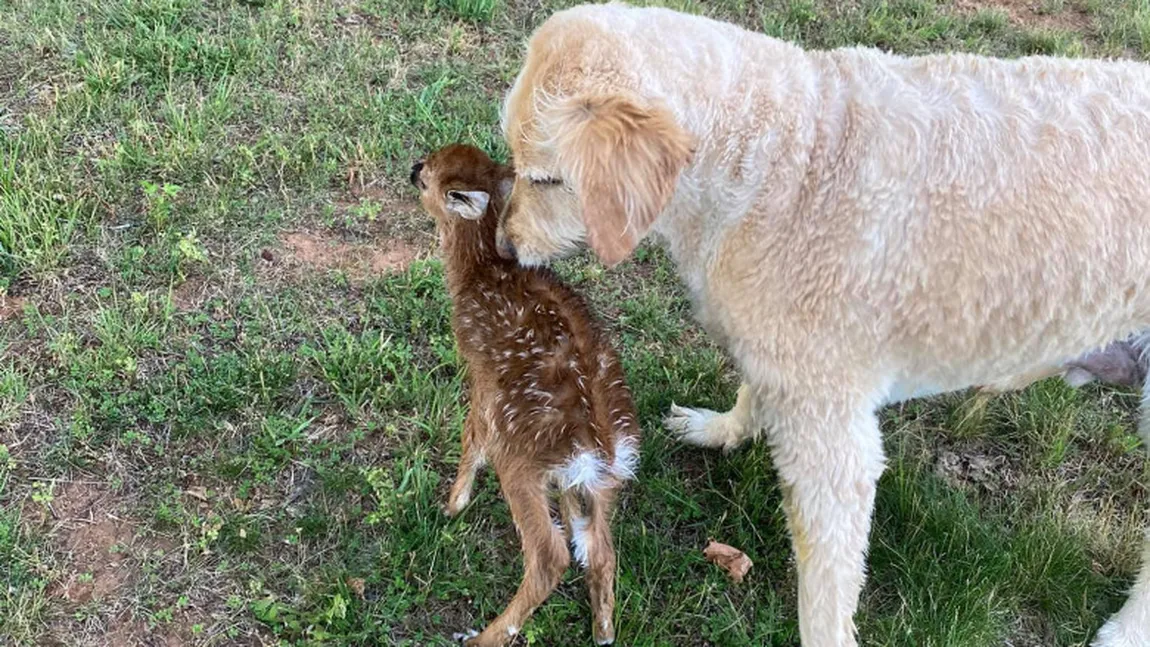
586 469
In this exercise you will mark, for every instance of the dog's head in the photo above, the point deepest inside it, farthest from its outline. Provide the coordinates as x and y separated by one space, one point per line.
594 168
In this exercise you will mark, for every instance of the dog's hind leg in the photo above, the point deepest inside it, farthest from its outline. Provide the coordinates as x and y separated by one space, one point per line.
706 428
829 457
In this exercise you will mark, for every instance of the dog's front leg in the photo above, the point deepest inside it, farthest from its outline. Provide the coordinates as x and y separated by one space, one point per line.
706 428
829 458
1131 625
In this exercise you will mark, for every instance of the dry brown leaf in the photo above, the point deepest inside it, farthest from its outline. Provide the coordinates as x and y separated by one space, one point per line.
356 584
197 492
733 560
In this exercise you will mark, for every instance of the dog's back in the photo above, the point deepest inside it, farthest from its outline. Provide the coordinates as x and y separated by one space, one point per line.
964 210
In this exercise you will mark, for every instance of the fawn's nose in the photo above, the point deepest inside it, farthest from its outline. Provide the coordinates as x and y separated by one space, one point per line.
415 169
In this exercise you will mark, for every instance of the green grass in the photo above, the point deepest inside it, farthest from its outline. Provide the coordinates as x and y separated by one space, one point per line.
264 441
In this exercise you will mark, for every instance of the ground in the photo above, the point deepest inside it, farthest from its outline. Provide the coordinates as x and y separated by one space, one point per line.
230 404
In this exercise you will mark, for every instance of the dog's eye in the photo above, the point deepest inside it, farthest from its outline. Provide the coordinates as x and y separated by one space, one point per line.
546 181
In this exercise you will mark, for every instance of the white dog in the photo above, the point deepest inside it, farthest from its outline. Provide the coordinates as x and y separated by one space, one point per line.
857 228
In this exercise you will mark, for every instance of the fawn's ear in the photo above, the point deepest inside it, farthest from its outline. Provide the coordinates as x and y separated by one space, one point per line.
467 204
624 159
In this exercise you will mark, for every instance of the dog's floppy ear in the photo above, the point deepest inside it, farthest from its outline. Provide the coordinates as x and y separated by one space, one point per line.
624 159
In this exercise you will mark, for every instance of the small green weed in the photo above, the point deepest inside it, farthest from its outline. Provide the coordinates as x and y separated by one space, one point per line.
37 219
474 10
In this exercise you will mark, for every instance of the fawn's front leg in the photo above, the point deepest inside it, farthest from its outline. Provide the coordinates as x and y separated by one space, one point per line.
470 462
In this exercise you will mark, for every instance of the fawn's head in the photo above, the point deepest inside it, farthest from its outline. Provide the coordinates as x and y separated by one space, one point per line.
465 190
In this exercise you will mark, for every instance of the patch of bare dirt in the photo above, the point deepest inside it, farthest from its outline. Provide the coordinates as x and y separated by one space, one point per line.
100 545
1026 633
11 307
189 295
359 261
96 540
988 472
136 633
1031 13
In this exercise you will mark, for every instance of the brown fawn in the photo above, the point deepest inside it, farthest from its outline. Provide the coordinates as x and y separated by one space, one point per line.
549 409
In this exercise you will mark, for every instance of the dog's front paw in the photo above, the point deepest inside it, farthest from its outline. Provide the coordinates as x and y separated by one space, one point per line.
703 427
1116 634
690 425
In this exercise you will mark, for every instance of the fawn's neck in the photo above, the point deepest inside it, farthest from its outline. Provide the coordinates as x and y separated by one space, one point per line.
469 254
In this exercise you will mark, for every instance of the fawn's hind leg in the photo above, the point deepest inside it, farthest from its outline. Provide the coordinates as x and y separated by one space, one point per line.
470 462
601 564
545 557
589 529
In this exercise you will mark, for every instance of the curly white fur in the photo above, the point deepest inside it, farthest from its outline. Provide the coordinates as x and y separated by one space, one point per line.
856 227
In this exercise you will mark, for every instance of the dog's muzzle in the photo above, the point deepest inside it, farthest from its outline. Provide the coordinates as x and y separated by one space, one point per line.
504 247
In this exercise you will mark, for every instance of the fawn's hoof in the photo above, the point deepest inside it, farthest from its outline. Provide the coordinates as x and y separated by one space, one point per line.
465 637
605 634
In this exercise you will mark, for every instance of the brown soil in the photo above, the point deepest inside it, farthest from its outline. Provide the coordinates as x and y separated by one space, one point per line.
972 468
95 539
136 633
100 544
1029 13
11 307
359 261
188 296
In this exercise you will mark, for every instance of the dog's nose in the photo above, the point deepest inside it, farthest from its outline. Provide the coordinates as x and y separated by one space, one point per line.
415 169
505 248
